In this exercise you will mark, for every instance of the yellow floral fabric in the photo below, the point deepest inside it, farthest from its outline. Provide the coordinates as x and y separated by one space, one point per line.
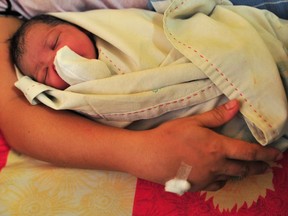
30 188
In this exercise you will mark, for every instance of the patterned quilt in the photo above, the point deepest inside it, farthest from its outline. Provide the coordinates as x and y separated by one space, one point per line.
31 187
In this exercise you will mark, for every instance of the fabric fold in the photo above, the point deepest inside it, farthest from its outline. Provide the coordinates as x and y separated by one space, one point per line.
74 69
197 55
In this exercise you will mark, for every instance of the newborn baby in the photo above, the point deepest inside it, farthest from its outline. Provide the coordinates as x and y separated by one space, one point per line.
151 67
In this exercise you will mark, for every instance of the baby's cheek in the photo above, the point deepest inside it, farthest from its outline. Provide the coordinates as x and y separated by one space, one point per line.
54 80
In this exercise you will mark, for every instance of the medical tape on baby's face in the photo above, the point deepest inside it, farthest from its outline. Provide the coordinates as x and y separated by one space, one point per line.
179 184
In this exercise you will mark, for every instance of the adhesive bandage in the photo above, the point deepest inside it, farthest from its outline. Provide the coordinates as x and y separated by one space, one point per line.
179 184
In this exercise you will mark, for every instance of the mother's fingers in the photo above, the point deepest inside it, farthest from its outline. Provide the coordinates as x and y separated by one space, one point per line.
218 116
242 169
241 150
217 185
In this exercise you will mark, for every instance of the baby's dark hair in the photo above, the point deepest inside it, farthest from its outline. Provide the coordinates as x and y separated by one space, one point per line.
17 41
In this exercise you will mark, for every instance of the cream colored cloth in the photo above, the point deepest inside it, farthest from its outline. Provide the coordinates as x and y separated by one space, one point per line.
207 53
74 69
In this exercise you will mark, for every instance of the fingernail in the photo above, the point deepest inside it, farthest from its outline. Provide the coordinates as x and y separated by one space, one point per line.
230 105
279 157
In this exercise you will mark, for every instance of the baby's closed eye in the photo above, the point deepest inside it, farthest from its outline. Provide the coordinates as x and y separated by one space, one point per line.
55 43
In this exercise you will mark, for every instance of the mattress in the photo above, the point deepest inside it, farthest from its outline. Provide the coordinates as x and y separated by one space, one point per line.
32 187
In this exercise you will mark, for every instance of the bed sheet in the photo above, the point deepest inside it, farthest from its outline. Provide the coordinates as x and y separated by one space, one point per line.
261 195
31 187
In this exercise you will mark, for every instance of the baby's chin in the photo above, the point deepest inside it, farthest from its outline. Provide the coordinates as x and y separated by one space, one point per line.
60 84
90 55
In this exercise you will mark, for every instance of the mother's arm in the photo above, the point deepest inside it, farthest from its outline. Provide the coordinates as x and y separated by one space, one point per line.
56 136
67 139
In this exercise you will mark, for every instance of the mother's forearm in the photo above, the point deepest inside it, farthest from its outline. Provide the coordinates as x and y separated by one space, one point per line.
62 138
59 137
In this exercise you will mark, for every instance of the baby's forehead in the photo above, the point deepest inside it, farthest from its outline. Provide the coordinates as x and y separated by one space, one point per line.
37 28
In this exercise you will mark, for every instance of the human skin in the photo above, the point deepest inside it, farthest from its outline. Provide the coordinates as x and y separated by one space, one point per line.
42 42
67 139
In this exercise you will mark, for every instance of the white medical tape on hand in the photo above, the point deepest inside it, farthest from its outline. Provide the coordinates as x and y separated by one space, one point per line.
179 184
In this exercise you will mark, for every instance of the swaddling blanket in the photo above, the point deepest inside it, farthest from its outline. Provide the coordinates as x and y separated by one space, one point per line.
195 56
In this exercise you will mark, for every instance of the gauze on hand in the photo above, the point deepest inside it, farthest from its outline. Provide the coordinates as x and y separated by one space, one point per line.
74 69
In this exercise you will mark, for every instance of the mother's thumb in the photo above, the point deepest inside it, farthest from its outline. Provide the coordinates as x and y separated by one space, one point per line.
218 116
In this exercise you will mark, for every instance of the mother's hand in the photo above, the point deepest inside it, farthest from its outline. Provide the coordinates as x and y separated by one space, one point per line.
214 158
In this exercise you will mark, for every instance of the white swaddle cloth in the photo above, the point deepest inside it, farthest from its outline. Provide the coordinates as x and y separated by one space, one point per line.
209 52
74 69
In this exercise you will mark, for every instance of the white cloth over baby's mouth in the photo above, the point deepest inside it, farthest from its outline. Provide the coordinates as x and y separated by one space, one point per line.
74 69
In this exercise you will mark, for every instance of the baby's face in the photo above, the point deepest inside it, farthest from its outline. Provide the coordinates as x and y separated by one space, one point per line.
41 45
